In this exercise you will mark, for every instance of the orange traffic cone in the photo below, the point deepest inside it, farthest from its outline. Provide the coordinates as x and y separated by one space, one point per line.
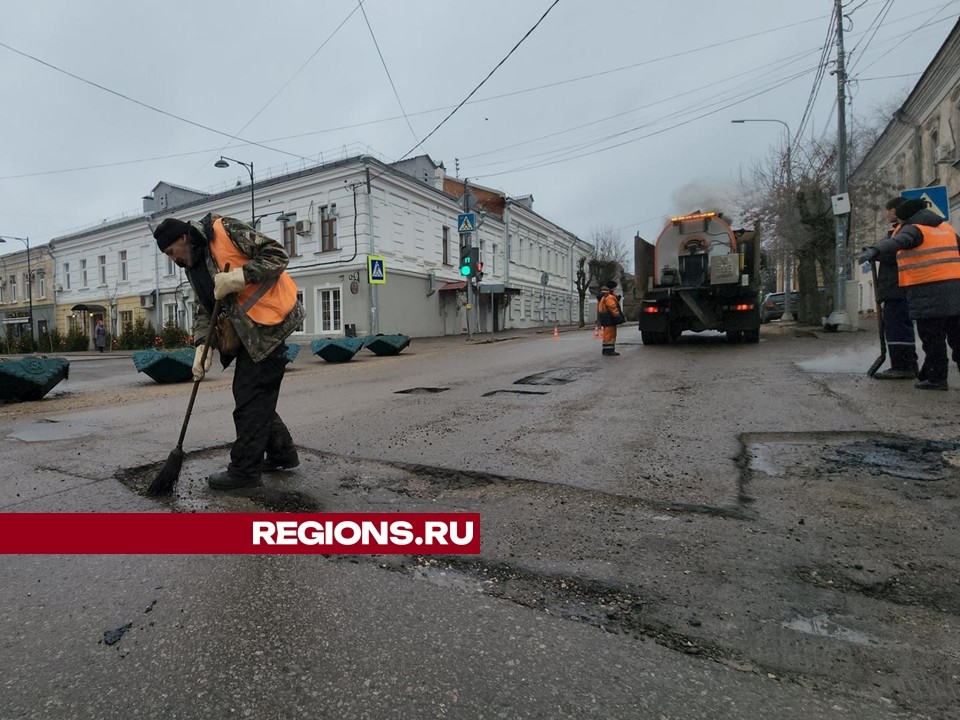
556 332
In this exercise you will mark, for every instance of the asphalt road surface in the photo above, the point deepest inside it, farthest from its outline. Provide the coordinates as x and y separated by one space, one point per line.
694 531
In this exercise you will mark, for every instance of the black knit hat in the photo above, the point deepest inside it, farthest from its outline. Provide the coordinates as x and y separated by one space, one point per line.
908 208
169 231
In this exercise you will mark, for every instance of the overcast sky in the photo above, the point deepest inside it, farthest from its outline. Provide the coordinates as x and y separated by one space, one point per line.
611 113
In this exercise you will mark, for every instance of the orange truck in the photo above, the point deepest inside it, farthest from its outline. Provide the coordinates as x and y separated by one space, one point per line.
701 274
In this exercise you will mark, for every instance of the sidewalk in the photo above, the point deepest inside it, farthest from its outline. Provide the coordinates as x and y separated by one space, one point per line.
304 341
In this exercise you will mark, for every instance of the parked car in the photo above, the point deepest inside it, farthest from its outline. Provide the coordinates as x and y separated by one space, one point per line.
772 306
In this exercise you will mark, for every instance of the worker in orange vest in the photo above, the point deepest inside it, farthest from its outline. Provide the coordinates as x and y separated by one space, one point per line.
928 265
259 308
609 315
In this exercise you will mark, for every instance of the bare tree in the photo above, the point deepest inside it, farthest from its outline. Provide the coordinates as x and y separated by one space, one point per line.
602 267
799 220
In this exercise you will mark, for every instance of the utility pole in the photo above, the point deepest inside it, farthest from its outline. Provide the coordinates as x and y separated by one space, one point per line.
839 319
467 239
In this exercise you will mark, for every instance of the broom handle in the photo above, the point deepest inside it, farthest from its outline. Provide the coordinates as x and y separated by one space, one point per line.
203 359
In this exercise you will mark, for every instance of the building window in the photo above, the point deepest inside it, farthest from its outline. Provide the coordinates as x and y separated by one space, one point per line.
329 313
123 265
42 281
493 259
446 246
2 287
126 320
13 288
290 239
328 227
102 265
66 275
83 273
170 313
171 268
299 328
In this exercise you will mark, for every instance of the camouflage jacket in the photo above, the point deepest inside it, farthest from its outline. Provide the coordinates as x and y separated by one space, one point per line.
267 260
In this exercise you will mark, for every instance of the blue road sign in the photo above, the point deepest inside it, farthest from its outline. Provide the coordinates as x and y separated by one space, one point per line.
935 196
466 223
376 272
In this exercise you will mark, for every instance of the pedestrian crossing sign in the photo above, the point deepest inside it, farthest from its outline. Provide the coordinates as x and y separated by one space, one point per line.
466 223
935 197
376 270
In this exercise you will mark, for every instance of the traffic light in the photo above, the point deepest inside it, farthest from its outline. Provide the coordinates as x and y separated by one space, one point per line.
469 261
478 272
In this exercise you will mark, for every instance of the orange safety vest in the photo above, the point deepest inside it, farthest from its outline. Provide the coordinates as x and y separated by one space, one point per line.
936 259
266 303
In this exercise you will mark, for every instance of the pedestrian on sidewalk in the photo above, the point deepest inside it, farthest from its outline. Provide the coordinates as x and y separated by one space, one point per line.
259 308
609 315
928 264
897 325
100 336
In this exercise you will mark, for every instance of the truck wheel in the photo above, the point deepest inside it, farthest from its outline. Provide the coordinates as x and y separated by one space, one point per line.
651 338
673 334
751 336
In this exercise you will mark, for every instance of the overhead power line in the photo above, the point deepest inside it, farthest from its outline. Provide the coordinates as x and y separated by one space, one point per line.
386 69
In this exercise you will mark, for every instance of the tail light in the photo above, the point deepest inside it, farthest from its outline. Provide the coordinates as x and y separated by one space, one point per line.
651 309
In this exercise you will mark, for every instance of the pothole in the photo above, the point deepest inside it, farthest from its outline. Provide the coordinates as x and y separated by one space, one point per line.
270 496
823 626
557 376
421 391
515 392
822 453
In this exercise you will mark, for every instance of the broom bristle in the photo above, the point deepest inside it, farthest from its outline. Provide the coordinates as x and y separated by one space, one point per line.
168 476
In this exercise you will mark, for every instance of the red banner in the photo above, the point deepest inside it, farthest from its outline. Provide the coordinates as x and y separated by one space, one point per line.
239 533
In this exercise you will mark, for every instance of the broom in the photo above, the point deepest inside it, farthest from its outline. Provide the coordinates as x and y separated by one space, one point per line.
167 478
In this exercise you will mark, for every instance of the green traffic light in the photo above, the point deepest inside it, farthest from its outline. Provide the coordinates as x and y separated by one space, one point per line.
465 270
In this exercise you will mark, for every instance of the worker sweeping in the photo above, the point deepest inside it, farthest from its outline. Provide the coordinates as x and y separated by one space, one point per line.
609 315
259 310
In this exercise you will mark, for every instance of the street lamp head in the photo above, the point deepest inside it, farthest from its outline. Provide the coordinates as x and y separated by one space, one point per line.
221 163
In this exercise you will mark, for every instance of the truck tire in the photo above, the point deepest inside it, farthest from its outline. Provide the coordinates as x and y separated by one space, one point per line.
751 336
672 336
734 336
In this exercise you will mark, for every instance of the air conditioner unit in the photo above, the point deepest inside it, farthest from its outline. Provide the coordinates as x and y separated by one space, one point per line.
944 154
304 227
146 301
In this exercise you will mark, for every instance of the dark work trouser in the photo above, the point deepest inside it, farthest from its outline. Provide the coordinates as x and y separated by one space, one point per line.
256 388
898 332
609 339
935 334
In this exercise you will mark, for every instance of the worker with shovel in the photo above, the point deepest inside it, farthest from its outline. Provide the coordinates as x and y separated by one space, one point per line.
895 315
928 263
258 311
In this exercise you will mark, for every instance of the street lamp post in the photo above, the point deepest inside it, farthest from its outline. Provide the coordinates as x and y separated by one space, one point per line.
788 264
25 241
222 163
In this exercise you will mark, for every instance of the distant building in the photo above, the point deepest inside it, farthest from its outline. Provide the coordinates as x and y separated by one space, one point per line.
331 218
920 147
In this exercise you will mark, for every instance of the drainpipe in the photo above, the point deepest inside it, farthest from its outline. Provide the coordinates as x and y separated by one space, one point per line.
156 273
507 251
374 294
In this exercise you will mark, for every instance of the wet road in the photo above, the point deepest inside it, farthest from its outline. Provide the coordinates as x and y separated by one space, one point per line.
703 530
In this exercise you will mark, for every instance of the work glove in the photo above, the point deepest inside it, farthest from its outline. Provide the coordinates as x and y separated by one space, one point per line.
227 283
868 254
200 369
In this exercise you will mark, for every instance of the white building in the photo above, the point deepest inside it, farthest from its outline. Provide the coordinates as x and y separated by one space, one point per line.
919 148
331 219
